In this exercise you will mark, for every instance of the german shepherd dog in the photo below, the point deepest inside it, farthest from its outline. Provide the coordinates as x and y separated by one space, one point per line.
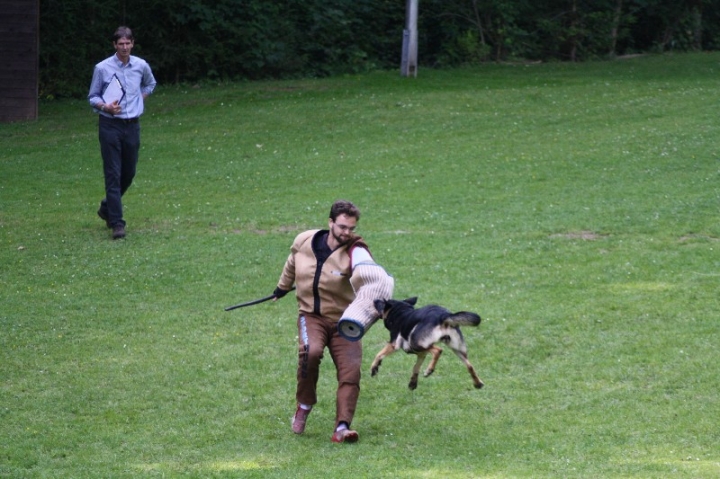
416 331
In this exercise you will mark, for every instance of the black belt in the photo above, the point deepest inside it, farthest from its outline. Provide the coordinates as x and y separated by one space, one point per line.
124 120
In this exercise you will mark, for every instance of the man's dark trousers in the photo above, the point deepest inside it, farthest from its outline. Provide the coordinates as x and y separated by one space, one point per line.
119 147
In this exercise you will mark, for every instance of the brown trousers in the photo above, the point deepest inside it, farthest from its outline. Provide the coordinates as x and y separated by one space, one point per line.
315 333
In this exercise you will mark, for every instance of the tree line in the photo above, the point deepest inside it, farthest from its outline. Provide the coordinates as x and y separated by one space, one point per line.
195 40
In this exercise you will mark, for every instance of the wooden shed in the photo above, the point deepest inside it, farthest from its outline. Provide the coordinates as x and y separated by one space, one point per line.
19 48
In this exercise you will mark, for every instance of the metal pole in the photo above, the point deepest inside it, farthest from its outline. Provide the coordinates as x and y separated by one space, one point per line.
408 65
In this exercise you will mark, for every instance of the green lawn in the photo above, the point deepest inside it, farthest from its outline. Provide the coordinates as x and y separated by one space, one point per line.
575 207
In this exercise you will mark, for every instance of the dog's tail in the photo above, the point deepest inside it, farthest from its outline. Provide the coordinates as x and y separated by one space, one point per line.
462 318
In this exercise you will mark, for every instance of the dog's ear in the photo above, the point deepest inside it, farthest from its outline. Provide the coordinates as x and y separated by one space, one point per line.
411 301
380 305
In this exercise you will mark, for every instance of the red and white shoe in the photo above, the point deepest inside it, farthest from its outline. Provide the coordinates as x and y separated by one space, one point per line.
299 420
345 435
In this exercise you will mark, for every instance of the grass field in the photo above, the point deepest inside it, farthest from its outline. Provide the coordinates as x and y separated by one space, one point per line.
574 207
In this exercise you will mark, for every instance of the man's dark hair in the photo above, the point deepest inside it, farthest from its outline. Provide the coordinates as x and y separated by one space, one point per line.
342 207
123 32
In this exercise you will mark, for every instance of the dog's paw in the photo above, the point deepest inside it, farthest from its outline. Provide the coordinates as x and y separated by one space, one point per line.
413 385
428 372
374 371
479 385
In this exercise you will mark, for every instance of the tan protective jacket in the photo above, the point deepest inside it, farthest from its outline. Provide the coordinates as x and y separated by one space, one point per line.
326 291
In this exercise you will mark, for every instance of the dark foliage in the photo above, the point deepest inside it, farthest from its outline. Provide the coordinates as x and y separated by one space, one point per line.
194 40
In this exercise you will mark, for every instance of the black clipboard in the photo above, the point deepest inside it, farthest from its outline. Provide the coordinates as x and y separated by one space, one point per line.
114 91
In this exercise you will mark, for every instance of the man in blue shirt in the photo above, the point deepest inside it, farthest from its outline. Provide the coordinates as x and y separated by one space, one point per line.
119 86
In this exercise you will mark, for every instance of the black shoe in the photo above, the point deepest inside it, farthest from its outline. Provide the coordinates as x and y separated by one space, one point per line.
103 216
118 232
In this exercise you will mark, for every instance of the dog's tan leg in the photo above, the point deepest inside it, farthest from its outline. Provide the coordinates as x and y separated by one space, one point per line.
476 380
436 352
384 352
416 370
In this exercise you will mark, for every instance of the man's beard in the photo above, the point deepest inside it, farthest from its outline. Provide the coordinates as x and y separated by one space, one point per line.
339 239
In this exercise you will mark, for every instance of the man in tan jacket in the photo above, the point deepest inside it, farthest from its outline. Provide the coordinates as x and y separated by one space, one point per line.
320 265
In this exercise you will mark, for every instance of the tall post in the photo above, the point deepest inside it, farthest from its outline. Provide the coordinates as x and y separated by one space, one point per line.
408 65
19 50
